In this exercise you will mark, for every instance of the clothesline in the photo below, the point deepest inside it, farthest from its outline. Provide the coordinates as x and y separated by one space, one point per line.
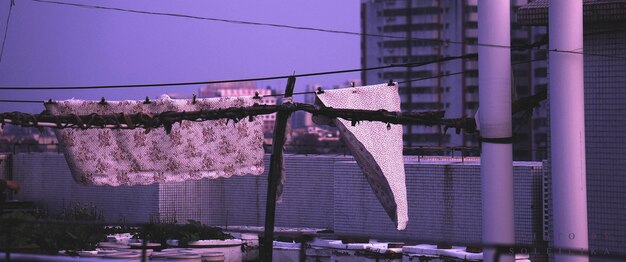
167 119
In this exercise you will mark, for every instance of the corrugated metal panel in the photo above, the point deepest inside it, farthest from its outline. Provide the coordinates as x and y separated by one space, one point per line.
46 180
444 203
320 191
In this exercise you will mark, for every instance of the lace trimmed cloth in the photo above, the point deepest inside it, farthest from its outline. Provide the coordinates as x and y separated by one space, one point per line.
376 147
193 150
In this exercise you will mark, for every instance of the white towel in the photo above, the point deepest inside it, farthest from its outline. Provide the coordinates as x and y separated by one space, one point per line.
193 150
377 149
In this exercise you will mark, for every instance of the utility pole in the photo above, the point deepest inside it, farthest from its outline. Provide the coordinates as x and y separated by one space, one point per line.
567 130
496 162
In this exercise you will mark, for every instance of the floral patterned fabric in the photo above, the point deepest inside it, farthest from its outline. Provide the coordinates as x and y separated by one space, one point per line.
376 147
193 150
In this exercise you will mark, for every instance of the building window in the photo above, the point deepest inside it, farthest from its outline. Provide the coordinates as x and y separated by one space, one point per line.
471 73
413 27
428 10
540 122
425 58
471 40
523 90
390 59
541 72
471 9
541 138
540 88
471 105
419 90
426 106
540 55
516 57
520 73
403 75
471 89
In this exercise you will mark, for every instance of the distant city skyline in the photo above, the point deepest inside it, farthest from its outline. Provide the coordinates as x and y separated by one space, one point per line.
58 45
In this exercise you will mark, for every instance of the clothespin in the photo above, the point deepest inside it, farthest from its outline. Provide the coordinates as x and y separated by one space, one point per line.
319 90
288 96
193 99
256 95
352 83
390 83
147 101
102 102
128 120
388 126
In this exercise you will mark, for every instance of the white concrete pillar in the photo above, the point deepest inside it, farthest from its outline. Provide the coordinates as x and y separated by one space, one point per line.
567 129
496 164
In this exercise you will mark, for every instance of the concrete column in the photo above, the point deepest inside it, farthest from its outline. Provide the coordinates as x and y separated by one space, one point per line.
567 129
496 164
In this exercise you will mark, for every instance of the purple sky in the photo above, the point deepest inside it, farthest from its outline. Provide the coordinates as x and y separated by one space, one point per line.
62 45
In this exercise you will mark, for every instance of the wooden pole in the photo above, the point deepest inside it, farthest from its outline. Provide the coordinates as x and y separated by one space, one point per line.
276 171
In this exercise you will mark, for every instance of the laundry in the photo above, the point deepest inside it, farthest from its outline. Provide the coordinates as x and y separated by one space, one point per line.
376 146
192 150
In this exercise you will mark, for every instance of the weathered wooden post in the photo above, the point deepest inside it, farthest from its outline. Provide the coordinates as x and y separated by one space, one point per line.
277 170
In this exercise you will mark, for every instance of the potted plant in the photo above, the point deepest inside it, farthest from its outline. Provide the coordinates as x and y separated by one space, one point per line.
79 227
195 237
76 228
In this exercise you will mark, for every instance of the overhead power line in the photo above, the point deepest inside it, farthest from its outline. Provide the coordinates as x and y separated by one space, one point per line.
304 93
263 78
20 101
6 28
239 80
242 22
463 72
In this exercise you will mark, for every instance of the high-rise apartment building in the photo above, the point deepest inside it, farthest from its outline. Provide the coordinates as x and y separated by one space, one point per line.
403 31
